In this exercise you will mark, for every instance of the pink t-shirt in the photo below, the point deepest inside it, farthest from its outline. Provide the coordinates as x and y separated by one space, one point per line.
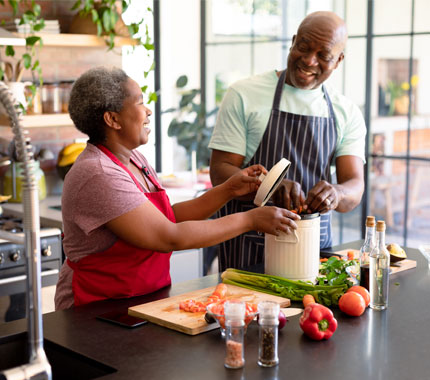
96 190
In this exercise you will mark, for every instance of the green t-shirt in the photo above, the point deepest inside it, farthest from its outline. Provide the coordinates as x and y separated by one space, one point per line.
245 111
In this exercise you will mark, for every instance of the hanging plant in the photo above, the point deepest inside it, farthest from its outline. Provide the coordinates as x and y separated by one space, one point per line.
106 16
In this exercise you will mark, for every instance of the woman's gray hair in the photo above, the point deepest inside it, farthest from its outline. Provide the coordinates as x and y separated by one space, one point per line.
95 92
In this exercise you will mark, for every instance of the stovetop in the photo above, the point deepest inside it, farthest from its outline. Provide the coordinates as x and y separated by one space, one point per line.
12 230
11 224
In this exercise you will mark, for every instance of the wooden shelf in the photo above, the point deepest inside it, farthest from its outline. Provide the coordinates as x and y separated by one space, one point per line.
80 40
44 120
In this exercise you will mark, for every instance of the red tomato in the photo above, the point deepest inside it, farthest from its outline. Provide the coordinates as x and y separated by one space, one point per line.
352 304
362 291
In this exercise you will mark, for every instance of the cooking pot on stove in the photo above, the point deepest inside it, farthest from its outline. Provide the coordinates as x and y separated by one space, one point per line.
294 255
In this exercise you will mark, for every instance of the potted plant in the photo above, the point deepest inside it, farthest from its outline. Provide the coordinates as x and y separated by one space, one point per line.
190 125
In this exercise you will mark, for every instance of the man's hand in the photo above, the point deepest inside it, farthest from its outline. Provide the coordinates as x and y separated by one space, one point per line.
289 195
323 197
245 181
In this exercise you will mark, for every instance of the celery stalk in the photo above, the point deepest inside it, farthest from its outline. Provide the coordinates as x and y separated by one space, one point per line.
294 290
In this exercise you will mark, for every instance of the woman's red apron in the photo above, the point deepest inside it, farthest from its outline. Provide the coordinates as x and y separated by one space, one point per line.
123 270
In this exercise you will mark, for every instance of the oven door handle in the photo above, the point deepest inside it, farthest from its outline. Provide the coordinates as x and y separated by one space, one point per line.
22 277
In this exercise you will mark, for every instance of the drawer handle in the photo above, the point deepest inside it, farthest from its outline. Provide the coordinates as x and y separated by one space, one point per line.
24 276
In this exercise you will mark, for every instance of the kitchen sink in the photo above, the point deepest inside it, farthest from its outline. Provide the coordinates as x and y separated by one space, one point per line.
65 363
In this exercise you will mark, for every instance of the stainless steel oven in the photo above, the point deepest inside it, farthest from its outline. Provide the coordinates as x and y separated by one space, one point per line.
12 261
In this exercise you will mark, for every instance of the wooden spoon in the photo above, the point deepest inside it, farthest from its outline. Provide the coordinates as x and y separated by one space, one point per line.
9 71
18 71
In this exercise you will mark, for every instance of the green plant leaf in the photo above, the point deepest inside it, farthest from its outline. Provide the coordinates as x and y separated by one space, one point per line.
35 65
152 97
182 81
99 28
94 15
27 60
30 41
187 98
76 5
10 51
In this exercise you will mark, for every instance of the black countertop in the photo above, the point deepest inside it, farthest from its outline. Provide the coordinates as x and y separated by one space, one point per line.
393 344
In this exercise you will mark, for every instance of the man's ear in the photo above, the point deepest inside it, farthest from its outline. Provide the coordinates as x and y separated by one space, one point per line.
111 119
292 42
339 60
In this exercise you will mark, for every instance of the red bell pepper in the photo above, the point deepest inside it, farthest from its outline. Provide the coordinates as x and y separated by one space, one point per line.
318 322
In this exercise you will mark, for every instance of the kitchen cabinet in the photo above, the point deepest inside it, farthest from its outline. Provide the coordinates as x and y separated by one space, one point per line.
186 265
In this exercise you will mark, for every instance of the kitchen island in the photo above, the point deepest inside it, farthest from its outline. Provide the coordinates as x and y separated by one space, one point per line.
392 344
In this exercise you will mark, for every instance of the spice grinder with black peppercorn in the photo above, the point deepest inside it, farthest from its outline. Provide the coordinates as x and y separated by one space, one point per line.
268 333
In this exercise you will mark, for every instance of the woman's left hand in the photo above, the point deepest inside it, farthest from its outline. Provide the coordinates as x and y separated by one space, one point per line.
245 181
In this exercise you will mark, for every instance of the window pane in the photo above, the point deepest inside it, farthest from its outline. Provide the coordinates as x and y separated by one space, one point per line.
355 71
270 56
346 227
225 64
392 16
420 123
422 15
267 19
356 17
419 204
387 195
390 101
228 20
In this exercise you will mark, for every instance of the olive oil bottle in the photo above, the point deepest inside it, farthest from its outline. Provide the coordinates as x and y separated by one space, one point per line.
379 273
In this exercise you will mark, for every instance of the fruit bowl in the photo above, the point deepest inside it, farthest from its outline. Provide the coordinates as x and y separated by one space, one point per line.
216 311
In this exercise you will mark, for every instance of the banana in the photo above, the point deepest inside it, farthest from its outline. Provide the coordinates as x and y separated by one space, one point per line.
73 147
4 198
65 160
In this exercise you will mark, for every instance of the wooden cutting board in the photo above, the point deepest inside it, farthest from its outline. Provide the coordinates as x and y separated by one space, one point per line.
166 312
397 267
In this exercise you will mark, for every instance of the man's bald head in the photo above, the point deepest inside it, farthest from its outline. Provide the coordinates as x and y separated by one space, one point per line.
317 50
327 21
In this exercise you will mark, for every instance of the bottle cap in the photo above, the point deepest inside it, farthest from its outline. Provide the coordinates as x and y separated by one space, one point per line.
268 310
370 221
380 226
234 310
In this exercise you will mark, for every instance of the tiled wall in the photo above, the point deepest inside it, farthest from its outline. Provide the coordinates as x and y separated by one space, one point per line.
58 64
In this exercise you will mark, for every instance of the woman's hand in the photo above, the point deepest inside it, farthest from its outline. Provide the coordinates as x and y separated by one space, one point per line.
272 220
245 181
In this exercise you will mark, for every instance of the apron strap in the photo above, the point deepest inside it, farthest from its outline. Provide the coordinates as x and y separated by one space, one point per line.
278 92
120 164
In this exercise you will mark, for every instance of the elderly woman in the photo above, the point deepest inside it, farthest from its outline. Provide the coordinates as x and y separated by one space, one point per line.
119 227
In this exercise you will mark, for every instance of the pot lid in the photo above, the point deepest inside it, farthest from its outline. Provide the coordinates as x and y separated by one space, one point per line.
271 181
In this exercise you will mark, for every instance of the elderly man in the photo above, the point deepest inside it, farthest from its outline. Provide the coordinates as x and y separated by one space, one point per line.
291 114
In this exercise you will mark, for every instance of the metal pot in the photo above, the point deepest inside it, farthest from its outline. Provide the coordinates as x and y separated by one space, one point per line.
295 255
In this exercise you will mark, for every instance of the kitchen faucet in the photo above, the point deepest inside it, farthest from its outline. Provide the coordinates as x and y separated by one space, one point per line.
38 366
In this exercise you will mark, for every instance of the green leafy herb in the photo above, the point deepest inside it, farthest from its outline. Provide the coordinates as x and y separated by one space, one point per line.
333 272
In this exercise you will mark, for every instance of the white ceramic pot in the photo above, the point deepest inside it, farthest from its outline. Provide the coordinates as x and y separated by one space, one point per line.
295 256
18 91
